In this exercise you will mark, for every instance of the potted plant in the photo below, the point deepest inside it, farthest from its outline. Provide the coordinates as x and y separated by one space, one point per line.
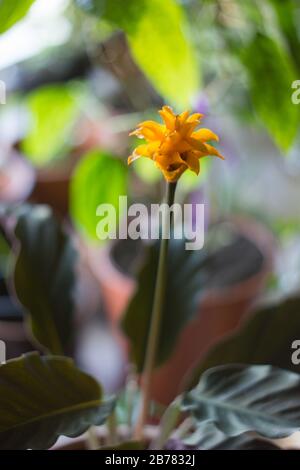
228 403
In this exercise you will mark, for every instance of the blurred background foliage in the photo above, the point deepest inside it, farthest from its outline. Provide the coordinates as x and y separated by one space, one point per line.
81 74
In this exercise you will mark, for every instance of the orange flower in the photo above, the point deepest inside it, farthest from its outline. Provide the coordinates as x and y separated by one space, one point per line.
174 146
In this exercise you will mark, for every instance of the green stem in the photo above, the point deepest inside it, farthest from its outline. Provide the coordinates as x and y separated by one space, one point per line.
112 429
92 439
157 311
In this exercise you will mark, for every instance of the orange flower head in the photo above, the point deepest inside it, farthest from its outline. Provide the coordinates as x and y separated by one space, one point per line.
174 146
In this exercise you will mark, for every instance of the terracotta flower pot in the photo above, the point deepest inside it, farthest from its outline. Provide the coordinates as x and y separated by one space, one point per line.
52 188
220 311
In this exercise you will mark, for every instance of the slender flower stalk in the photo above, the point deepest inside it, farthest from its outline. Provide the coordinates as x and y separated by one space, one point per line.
156 317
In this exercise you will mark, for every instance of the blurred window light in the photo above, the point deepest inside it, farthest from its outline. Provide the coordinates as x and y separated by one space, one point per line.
44 26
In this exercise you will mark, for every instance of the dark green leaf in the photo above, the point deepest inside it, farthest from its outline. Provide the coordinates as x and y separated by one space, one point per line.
44 277
12 11
42 398
209 438
266 60
239 398
265 338
185 283
98 179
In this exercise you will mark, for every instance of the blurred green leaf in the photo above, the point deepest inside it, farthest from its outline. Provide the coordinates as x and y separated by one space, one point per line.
42 398
44 277
12 11
98 179
156 31
147 171
53 110
189 181
271 74
163 52
239 398
265 338
288 18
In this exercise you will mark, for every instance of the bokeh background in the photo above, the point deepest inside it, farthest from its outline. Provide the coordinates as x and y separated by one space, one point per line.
79 76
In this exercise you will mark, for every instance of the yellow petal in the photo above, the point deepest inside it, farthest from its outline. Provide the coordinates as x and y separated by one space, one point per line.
192 160
183 116
172 166
174 143
173 176
195 117
144 150
164 161
168 116
205 134
196 144
150 130
210 150
187 128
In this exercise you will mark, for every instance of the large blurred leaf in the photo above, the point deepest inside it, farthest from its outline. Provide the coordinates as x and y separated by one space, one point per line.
240 398
265 338
190 274
288 19
208 437
98 179
42 398
271 74
185 283
45 277
12 11
155 31
53 110
161 49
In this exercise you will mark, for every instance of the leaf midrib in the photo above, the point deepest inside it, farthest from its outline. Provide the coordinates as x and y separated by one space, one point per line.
61 411
237 409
